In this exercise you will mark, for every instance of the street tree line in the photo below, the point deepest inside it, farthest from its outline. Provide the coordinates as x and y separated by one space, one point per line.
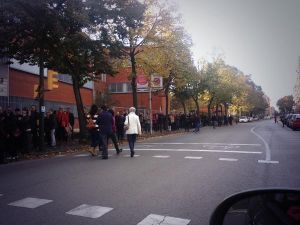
85 38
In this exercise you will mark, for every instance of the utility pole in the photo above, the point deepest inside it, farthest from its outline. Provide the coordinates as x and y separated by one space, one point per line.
42 108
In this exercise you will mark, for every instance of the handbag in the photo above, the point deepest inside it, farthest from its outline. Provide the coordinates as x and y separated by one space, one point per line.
90 124
126 127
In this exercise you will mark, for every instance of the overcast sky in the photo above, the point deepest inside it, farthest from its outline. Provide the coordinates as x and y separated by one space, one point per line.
259 37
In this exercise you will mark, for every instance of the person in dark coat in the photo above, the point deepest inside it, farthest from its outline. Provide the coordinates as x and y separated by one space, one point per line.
105 122
113 135
120 119
26 131
33 119
92 116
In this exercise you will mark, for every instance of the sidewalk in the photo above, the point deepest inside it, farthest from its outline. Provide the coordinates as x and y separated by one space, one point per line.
74 146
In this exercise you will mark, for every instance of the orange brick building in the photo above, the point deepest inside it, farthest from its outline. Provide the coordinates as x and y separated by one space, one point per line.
119 91
17 87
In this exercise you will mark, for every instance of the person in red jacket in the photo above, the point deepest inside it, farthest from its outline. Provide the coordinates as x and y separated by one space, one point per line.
62 123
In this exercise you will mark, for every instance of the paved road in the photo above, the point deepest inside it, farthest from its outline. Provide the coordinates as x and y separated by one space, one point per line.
177 179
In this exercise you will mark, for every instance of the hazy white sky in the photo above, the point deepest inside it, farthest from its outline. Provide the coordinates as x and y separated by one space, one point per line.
259 37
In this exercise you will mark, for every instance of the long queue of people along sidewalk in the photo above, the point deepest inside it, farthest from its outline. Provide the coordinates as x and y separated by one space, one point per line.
19 128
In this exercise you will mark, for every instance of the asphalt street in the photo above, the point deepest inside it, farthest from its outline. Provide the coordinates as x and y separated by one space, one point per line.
175 180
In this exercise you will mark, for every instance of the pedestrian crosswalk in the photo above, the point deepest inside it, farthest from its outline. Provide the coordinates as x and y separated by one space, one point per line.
187 157
163 220
90 211
30 202
96 212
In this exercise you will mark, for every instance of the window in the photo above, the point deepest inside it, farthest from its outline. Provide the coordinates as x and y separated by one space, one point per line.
103 77
119 88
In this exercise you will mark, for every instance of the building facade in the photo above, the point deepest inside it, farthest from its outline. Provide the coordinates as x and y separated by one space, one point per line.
118 93
17 89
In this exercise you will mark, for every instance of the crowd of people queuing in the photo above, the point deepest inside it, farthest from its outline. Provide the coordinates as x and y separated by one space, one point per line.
190 121
19 130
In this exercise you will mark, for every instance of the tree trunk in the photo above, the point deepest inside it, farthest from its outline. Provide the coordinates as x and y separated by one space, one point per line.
81 117
217 109
197 105
226 109
221 109
184 106
167 100
209 107
133 79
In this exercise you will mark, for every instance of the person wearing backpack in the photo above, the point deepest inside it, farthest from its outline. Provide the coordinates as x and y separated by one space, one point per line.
133 128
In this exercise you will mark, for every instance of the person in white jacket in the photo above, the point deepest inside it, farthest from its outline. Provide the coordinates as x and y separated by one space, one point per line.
132 121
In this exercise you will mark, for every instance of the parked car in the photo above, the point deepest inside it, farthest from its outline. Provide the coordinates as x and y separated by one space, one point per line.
243 119
295 122
250 118
288 119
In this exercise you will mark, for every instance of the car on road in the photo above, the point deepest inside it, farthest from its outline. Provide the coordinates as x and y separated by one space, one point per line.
294 122
243 119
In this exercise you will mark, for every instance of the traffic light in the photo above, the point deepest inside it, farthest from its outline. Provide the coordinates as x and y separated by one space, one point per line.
36 91
52 79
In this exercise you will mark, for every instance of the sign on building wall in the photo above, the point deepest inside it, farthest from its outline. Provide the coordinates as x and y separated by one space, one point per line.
142 82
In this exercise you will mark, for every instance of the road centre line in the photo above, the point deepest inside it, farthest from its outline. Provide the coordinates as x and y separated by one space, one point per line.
181 143
195 150
161 156
228 159
193 157
268 161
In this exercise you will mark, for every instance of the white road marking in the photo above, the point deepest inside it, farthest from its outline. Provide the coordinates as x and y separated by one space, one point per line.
30 202
161 156
193 157
126 156
228 159
188 143
221 146
1 195
196 150
82 155
267 148
154 219
268 161
89 211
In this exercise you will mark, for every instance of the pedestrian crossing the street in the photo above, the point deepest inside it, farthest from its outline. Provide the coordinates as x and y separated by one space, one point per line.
96 212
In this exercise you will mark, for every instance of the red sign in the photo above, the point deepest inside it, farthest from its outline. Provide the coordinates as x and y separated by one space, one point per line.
142 82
